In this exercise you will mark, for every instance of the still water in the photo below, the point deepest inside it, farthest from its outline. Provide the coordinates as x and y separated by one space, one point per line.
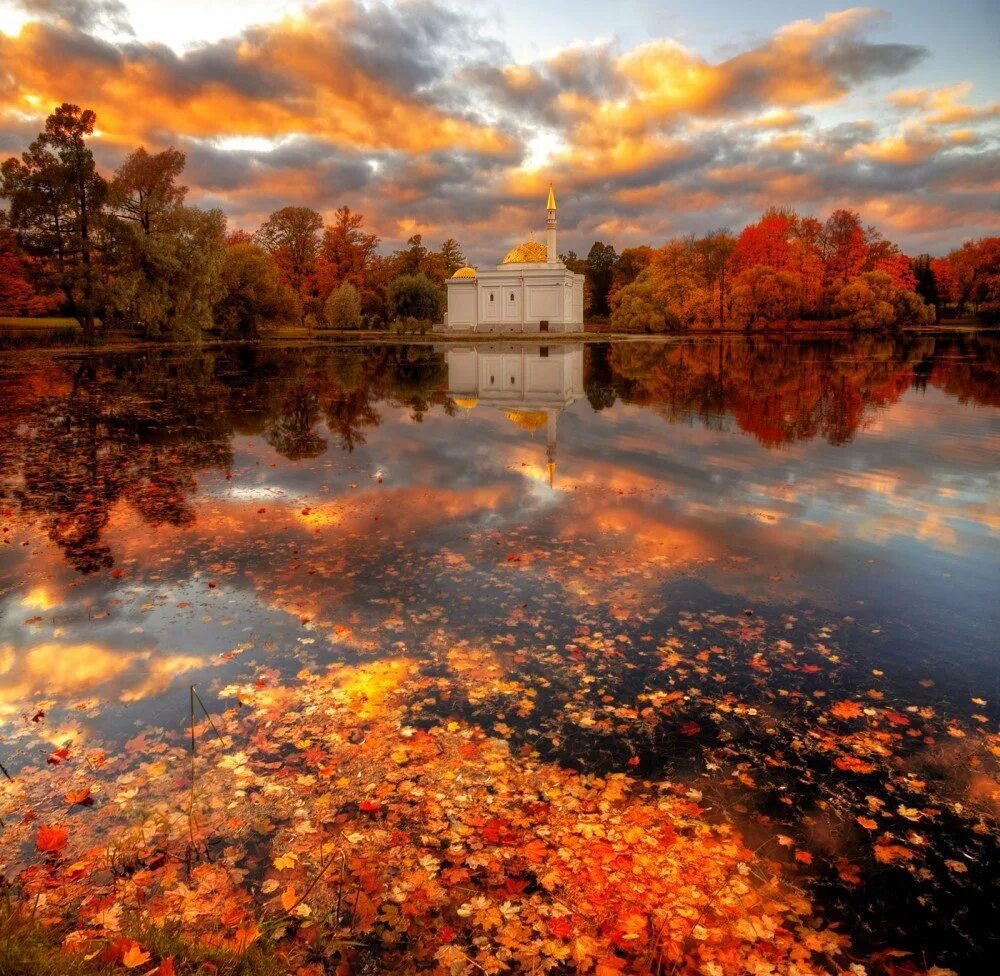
765 569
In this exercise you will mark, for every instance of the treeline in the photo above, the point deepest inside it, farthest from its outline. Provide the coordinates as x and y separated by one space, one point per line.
787 269
126 252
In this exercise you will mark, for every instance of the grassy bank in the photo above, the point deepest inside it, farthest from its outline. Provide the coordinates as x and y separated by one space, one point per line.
29 948
65 335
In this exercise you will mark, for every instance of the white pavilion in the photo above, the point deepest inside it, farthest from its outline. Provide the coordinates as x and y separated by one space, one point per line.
531 290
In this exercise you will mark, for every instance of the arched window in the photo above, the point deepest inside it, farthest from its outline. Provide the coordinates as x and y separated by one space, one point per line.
491 296
512 296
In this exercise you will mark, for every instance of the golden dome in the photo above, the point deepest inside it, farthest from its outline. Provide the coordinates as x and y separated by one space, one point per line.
466 403
529 420
530 252
465 273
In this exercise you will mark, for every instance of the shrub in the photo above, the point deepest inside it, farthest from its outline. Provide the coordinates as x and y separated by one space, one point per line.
411 326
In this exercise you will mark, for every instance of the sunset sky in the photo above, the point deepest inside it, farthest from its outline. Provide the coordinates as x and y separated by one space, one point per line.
652 118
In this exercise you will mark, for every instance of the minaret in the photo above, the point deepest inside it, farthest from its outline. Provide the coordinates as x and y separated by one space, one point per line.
550 227
550 446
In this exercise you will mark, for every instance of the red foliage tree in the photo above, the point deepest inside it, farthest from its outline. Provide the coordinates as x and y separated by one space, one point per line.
17 294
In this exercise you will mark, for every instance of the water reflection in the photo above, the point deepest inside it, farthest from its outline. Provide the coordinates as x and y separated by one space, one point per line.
532 385
81 436
741 533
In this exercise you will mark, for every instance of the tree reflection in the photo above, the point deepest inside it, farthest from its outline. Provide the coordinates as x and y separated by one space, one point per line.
79 437
792 389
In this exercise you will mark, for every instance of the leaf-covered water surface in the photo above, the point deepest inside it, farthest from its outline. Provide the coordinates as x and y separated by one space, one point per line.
672 658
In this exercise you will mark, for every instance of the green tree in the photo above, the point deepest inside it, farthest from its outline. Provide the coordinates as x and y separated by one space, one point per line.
600 270
415 296
56 197
169 282
343 308
254 298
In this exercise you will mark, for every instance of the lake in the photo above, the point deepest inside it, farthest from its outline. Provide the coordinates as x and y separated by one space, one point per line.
764 571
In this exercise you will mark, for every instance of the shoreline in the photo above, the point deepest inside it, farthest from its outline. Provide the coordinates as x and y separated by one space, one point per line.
331 337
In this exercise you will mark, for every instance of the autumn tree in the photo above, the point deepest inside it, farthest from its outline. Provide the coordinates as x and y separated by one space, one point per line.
413 258
56 196
844 248
145 189
254 295
714 254
872 301
975 268
291 235
18 294
452 257
635 308
767 243
763 294
345 254
629 264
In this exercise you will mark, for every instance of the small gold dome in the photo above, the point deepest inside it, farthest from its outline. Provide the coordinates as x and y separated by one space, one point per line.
530 252
529 420
466 403
465 273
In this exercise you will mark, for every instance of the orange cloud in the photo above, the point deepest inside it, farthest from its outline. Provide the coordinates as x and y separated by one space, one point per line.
296 76
944 106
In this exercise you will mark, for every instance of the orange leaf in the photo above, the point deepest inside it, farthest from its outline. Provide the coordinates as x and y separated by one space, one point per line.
535 850
888 853
79 796
135 956
246 936
852 764
288 898
51 840
867 823
846 709
804 856
166 967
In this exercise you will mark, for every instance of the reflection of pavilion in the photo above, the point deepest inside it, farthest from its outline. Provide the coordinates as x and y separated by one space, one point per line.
532 384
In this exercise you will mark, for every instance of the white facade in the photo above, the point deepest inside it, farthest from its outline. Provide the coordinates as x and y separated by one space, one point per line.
532 384
531 290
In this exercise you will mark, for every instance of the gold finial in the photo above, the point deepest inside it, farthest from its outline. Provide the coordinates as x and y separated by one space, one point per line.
551 204
552 474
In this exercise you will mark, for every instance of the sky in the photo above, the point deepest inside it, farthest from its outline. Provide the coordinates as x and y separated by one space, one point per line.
652 119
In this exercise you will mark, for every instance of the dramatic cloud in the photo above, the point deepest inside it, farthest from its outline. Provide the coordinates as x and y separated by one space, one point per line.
84 14
415 114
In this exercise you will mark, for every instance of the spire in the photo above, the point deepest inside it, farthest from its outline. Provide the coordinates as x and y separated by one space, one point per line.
551 204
